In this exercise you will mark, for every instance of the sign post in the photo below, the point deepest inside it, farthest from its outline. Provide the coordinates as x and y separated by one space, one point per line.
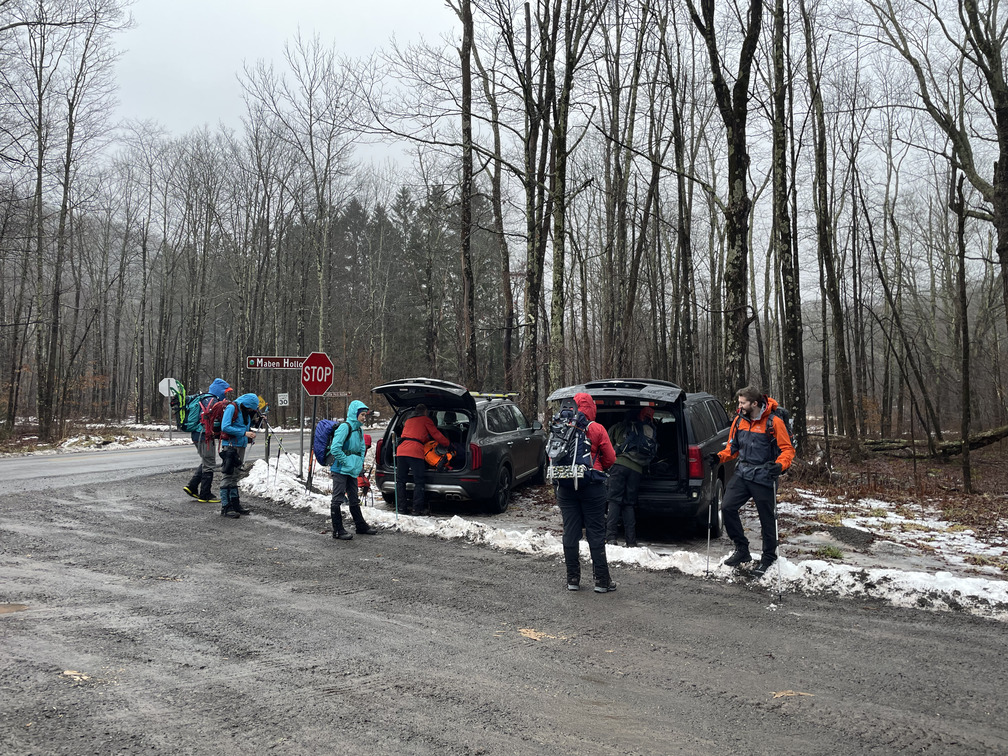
316 379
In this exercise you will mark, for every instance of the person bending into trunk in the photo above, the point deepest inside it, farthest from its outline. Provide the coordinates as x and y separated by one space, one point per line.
347 449
635 441
236 435
763 448
417 431
583 508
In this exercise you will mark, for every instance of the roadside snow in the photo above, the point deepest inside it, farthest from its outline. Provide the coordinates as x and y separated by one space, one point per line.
939 590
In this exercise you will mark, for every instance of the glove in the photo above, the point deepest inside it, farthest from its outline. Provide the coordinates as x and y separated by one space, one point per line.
776 468
714 459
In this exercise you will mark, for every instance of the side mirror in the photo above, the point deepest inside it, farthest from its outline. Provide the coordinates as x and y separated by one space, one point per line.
537 425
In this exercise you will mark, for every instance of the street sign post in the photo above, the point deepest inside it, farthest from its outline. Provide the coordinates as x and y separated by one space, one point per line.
316 379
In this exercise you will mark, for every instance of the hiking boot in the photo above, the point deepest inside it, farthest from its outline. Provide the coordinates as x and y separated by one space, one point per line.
236 503
573 584
631 544
763 565
604 586
342 535
366 529
611 542
740 555
191 491
228 511
210 499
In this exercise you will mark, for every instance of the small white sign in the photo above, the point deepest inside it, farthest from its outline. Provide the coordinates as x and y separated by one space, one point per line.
283 400
167 386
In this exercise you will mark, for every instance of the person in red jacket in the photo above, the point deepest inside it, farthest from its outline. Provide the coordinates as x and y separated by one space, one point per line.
417 431
584 507
764 451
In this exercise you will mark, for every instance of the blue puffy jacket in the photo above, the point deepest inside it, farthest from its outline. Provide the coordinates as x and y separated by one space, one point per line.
238 419
347 446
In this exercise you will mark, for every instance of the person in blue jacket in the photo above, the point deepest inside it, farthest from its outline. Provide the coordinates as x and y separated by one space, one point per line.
201 483
347 450
236 434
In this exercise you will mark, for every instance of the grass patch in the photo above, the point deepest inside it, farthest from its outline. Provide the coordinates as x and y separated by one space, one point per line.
830 518
829 552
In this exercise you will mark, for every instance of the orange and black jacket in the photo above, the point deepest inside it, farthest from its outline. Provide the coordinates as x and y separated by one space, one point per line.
758 446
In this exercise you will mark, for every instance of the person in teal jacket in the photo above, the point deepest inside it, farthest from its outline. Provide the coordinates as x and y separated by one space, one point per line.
236 434
347 450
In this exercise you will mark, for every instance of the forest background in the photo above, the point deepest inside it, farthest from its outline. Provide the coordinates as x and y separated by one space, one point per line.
809 196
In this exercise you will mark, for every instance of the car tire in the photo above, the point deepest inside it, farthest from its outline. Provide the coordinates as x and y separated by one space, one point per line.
711 520
389 499
502 494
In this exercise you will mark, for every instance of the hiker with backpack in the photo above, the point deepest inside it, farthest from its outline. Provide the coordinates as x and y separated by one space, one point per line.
410 450
347 450
201 483
635 441
236 435
761 440
580 451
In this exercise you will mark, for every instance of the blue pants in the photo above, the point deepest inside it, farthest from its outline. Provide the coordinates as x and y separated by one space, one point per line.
584 509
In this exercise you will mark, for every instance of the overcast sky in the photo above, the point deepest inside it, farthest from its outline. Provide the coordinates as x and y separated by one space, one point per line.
181 59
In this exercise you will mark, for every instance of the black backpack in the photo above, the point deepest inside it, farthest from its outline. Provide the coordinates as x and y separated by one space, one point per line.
569 450
785 417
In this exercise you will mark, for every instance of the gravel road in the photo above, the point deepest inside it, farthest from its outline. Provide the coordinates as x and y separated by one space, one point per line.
134 620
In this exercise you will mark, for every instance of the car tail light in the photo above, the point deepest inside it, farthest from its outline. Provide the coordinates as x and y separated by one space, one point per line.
695 458
475 457
377 451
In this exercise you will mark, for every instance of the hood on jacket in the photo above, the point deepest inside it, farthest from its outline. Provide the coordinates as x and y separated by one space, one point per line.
219 387
770 406
248 402
646 414
355 408
585 404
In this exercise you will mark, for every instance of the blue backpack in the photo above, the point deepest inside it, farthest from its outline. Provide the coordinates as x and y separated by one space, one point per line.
191 415
569 450
638 444
322 437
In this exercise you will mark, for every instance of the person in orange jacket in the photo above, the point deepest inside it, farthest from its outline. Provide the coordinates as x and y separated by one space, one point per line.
764 450
417 431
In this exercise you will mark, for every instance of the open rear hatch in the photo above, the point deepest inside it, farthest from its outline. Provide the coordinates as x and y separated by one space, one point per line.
437 395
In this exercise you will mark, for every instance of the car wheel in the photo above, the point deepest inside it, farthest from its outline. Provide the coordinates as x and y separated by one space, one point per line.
389 499
711 519
502 495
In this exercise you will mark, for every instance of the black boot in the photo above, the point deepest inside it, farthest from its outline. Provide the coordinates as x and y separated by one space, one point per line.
740 555
205 490
338 531
225 507
360 524
236 503
572 558
192 487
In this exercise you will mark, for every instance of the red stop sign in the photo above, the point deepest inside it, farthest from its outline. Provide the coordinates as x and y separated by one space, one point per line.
317 374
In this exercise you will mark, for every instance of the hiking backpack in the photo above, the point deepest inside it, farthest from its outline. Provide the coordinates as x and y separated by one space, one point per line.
569 450
212 418
785 417
437 456
638 444
192 413
325 429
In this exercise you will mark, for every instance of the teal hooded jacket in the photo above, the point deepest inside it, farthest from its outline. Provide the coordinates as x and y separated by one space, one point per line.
347 446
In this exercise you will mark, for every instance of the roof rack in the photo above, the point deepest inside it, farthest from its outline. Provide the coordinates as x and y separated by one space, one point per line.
482 395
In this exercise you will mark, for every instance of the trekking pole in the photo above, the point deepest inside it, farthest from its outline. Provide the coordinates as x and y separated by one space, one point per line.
780 593
710 513
271 432
395 474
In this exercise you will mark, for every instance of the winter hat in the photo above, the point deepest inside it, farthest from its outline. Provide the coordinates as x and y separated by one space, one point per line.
647 413
219 387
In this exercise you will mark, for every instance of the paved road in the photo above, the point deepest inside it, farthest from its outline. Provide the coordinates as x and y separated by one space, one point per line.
141 622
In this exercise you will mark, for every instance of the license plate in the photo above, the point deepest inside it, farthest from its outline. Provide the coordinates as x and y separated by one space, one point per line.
565 472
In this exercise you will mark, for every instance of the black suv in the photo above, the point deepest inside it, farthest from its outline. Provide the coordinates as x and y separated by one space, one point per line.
497 447
679 482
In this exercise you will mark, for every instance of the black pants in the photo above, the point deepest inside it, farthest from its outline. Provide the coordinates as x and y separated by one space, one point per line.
622 493
738 492
418 467
584 509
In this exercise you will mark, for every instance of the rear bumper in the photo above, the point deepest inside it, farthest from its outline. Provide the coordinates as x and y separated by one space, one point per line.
660 500
456 490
